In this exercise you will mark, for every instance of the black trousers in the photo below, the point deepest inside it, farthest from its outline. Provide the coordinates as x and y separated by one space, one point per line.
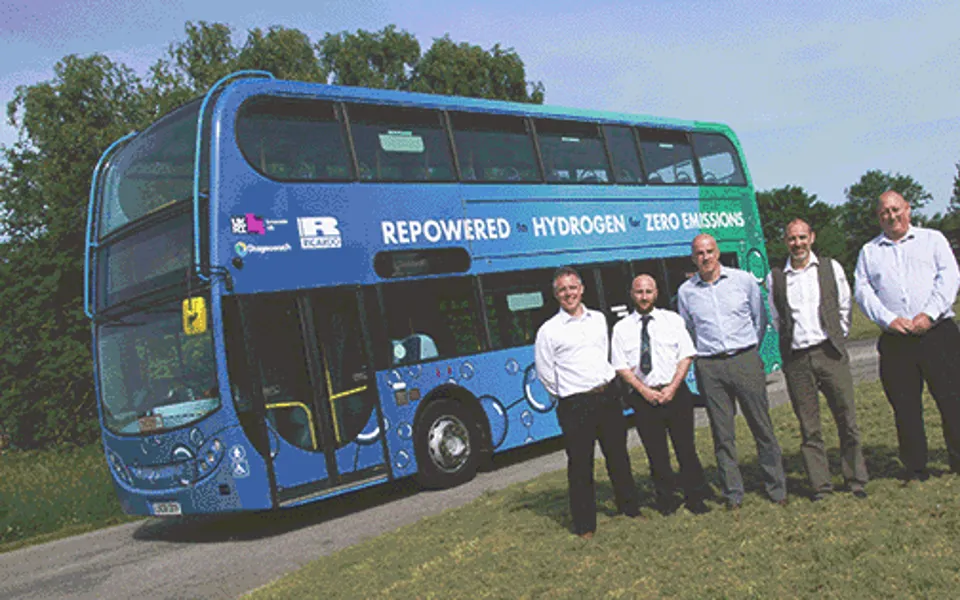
907 361
676 419
584 419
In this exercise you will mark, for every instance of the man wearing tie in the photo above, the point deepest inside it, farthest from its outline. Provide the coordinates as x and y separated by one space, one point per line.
572 361
906 282
652 353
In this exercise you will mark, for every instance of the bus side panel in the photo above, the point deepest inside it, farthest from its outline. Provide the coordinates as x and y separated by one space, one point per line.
518 408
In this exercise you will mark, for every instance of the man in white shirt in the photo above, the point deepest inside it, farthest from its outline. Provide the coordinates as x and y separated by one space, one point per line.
906 282
572 351
652 352
810 304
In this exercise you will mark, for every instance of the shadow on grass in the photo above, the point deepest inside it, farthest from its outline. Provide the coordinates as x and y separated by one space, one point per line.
882 463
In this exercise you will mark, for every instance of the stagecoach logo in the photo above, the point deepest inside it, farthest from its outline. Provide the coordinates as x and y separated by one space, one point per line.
243 249
319 233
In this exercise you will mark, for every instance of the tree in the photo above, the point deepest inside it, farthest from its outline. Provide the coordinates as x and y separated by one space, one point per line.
287 53
954 207
779 206
468 70
383 59
46 393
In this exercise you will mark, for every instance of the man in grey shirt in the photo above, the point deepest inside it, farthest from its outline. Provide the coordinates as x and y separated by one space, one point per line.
906 282
723 310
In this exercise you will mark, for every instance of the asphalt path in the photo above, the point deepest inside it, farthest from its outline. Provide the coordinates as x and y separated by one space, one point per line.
225 557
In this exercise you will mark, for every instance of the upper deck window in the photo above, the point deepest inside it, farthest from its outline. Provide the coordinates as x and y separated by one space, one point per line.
572 152
400 144
155 169
667 156
494 148
623 152
719 162
293 140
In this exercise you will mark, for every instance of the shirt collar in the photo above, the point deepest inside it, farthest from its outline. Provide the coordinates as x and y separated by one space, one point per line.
813 261
909 235
566 317
638 317
697 280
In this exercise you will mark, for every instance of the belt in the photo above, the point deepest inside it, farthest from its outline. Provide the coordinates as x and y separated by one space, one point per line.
731 353
813 347
597 390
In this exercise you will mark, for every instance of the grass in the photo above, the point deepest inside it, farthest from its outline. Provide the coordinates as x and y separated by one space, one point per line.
903 541
862 328
52 494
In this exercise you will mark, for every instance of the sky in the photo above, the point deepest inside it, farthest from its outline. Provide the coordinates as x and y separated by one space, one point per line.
819 92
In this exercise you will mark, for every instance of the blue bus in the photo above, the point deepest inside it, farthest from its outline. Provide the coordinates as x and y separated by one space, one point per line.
298 290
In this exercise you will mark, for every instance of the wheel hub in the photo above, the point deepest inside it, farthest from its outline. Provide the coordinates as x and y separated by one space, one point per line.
448 443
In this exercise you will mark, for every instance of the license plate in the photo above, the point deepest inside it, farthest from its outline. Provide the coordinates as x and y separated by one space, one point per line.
165 509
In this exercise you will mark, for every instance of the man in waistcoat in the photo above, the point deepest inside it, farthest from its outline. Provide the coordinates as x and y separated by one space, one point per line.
810 304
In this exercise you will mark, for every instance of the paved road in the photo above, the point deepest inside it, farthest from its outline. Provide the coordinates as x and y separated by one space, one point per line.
226 557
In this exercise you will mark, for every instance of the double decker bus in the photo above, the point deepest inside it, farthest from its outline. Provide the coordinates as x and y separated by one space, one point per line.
297 290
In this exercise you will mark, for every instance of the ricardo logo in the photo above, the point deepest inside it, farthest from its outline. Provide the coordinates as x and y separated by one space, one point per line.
319 233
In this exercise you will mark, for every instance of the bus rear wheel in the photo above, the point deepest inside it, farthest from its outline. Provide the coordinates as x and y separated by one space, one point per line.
447 444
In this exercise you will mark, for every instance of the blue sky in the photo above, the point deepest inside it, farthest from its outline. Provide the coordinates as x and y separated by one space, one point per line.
818 91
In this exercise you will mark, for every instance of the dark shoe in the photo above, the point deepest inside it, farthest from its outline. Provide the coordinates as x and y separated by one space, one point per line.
921 475
666 506
860 494
698 507
818 496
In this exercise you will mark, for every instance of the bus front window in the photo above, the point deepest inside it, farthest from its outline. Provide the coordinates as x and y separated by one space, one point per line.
153 376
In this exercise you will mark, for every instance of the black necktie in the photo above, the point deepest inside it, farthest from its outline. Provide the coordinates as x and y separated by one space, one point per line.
646 361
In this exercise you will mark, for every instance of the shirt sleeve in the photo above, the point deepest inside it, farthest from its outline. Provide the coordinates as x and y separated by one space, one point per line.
774 315
866 296
685 347
843 297
685 315
545 363
618 351
756 306
945 281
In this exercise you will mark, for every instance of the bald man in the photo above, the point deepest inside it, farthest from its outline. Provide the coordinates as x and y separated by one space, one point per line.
652 353
723 311
906 282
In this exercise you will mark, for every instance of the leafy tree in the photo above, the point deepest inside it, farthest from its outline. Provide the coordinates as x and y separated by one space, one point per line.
287 53
46 393
954 207
383 59
859 212
468 70
779 206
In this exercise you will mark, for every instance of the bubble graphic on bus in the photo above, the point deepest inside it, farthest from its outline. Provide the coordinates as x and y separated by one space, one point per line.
534 392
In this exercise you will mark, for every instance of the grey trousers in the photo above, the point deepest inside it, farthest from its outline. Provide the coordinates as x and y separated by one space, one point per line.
823 369
724 381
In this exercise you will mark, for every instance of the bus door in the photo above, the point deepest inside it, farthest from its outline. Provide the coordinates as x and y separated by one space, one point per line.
345 386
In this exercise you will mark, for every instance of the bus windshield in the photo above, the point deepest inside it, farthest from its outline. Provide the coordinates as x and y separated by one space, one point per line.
153 376
153 171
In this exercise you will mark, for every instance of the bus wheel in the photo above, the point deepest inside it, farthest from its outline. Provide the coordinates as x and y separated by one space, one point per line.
447 444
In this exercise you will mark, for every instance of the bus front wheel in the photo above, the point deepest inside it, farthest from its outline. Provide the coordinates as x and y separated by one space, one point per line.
447 444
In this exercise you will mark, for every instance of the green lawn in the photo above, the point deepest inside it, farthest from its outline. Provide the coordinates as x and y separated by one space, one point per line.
46 495
903 541
861 327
